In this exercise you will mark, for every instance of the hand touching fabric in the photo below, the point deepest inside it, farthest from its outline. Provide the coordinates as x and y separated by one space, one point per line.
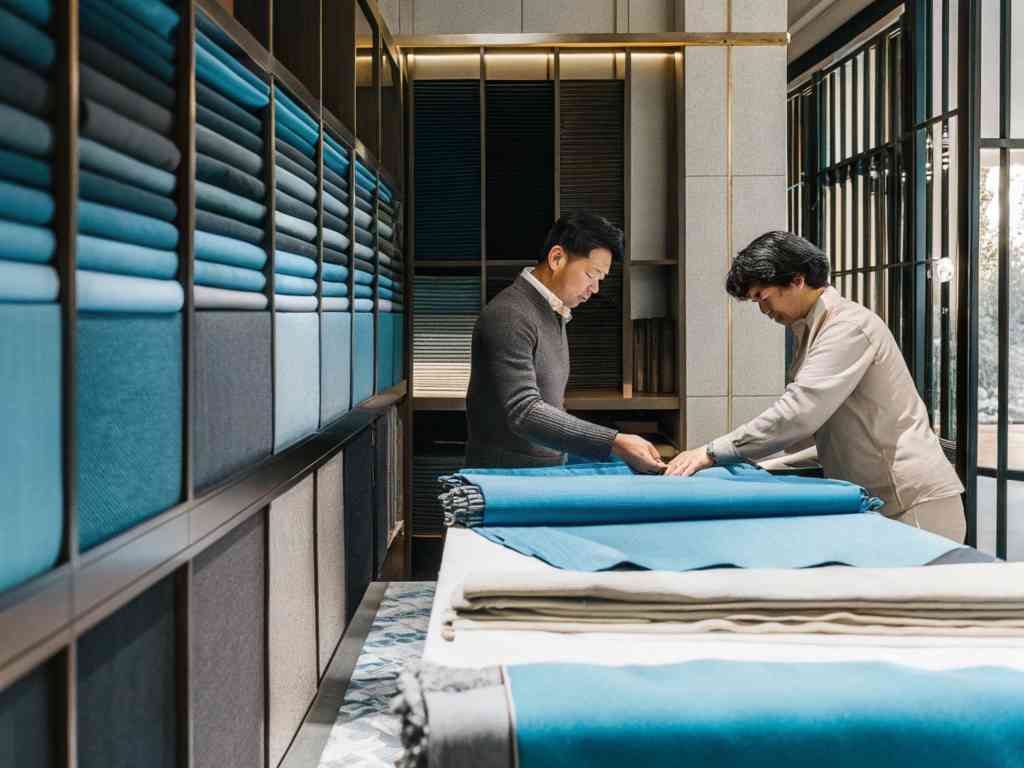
688 462
638 453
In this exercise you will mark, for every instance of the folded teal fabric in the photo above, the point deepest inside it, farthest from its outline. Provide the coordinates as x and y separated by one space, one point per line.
336 145
286 181
225 127
214 171
291 137
294 226
134 139
109 162
39 12
337 161
20 168
213 144
336 289
21 282
363 291
25 204
290 303
297 111
290 285
286 116
124 71
292 264
721 714
335 239
218 75
134 105
23 132
362 305
203 40
118 224
228 250
228 227
122 39
225 107
365 173
364 194
386 293
361 251
25 242
100 255
157 16
385 282
156 43
334 304
216 275
25 42
335 206
103 189
25 89
335 273
363 353
105 292
363 278
217 200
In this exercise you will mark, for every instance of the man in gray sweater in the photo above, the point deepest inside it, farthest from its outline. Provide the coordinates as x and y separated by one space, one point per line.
515 404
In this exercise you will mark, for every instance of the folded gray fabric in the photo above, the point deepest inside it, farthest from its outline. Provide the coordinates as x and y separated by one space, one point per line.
287 149
364 205
134 139
294 207
339 181
339 194
106 90
124 71
213 171
223 106
283 161
286 242
222 225
225 127
103 189
24 89
288 182
213 144
335 223
335 257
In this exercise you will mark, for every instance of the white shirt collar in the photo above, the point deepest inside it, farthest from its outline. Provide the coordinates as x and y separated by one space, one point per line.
556 303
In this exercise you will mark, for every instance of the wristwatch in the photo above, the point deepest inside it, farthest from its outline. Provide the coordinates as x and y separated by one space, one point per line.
710 450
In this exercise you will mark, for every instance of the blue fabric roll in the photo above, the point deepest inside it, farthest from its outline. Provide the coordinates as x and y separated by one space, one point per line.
338 180
122 40
335 239
39 12
289 303
225 127
32 515
385 231
26 133
335 257
363 291
215 33
289 285
226 108
116 66
118 224
222 225
217 75
102 189
363 278
214 171
361 251
362 305
286 117
386 293
157 16
24 88
294 207
296 377
294 245
385 351
155 43
21 282
222 148
105 292
25 204
335 273
335 145
286 181
765 714
335 289
228 250
26 43
335 206
291 137
363 219
215 275
109 92
292 264
203 40
22 169
99 255
289 164
109 162
296 109
334 304
129 421
293 154
385 282
217 200
294 226
25 242
363 354
221 298
134 139
336 358
337 162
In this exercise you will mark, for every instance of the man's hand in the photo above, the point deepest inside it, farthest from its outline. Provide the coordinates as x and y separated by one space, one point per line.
638 453
688 462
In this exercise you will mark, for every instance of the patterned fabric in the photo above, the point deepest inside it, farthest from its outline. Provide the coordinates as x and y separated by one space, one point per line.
365 733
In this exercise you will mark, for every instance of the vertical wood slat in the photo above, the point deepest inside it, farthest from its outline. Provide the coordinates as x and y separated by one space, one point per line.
483 177
681 253
270 201
409 253
186 199
557 78
627 254
320 253
1005 100
352 270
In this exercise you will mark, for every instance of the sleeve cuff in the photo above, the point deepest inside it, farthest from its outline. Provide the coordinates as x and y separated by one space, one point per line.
725 452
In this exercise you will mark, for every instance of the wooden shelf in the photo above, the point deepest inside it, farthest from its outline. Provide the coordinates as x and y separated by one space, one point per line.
599 400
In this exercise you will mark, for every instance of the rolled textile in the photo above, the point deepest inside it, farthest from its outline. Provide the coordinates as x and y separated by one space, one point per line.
25 42
294 286
335 144
222 125
366 267
363 219
156 43
103 189
384 282
25 204
101 255
294 154
228 250
108 127
109 162
338 180
363 291
230 61
336 207
220 298
104 292
292 264
294 207
214 171
363 277
298 111
39 12
295 226
335 239
124 71
23 169
364 194
364 240
212 143
294 245
24 282
386 217
385 230
336 161
334 256
335 223
118 224
335 273
25 242
222 225
365 175
219 76
391 306
215 275
109 92
212 198
284 161
286 117
121 40
226 108
291 137
156 16
24 132
335 289
286 181
363 305
286 303
22 88
335 304
386 293
364 205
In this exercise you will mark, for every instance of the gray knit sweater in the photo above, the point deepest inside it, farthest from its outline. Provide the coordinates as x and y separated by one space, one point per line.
515 404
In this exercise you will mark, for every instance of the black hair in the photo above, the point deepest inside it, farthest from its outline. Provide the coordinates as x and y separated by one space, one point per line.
581 232
776 258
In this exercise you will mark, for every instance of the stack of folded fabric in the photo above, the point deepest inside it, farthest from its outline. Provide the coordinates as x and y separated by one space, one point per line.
363 258
129 345
30 331
427 465
230 194
390 286
445 309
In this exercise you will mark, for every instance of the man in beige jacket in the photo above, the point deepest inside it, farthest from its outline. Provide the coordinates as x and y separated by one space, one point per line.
852 399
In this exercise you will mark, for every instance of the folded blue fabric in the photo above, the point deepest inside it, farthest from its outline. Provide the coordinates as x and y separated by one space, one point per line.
102 189
39 12
336 145
335 239
292 264
365 183
157 16
134 139
290 303
109 162
291 137
231 130
299 112
217 172
25 42
218 75
118 224
288 182
100 255
338 162
385 230
334 304
215 33
282 147
105 292
294 207
338 180
363 278
364 205
24 88
25 204
285 116
289 285
25 242
363 219
232 228
385 282
362 305
363 352
231 62
294 226
26 133
335 289
335 206
335 257
23 282
228 250
221 298
22 169
217 200
126 101
127 72
215 275
156 43
123 40
386 293
222 148
364 194
335 273
363 291
226 108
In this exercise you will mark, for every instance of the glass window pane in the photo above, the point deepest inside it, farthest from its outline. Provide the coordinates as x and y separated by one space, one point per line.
367 55
1014 520
873 95
1016 301
988 307
954 47
986 509
1017 70
848 92
937 52
990 81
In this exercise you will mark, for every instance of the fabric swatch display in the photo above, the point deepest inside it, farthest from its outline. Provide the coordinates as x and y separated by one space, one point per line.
336 371
296 374
445 310
363 363
334 278
385 350
654 355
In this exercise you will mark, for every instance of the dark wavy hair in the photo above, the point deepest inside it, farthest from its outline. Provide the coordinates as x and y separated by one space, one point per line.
581 232
776 258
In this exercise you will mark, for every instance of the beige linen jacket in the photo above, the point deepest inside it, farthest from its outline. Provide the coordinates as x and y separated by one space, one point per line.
852 396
